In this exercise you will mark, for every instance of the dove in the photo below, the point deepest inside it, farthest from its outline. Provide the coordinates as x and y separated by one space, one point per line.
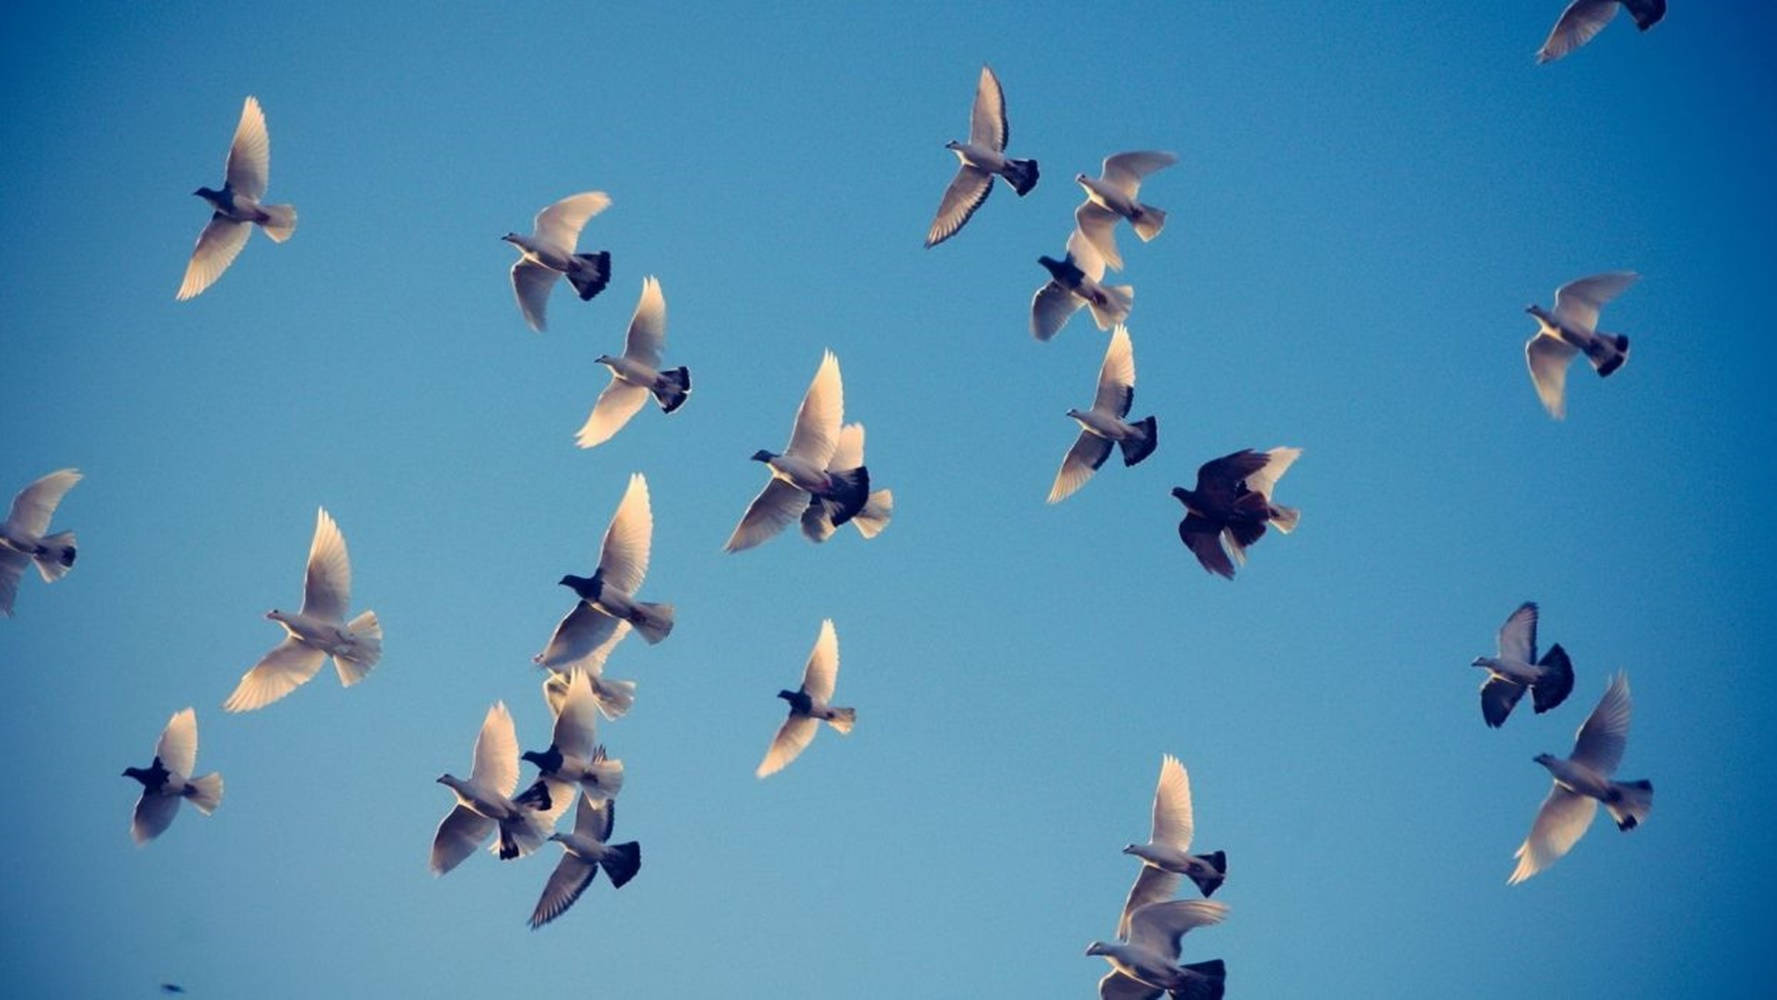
635 373
607 597
562 660
1571 329
809 705
1074 282
574 757
1111 196
316 632
1516 668
548 253
817 525
1585 18
1581 782
484 801
168 780
584 852
801 471
982 157
22 538
1146 964
1103 425
237 207
1167 854
1232 505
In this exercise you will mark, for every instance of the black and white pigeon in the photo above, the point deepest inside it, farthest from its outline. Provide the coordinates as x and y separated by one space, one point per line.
802 471
1074 282
237 208
1585 18
817 524
636 373
575 759
584 852
485 803
1573 329
549 252
809 705
982 157
23 538
1232 505
607 597
1517 668
168 780
1145 965
1103 425
1166 857
1112 196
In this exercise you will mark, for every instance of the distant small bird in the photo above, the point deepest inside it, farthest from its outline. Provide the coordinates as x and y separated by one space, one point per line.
1103 425
802 470
171 988
237 207
877 510
168 780
1074 282
982 157
1516 668
607 597
1585 18
22 538
1581 782
548 253
316 632
635 373
1232 505
1146 964
584 852
1571 329
574 758
484 801
809 705
1167 854
1111 196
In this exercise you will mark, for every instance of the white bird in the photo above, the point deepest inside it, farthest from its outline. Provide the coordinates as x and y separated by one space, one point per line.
1074 282
168 780
575 758
809 705
635 374
817 525
1112 196
802 470
982 157
1103 425
1146 965
484 801
607 597
584 852
548 253
1585 18
564 656
316 632
1167 854
237 206
1581 782
22 538
1573 328
1516 668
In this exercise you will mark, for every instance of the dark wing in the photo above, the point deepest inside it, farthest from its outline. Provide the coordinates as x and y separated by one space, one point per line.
1219 480
1204 538
1498 696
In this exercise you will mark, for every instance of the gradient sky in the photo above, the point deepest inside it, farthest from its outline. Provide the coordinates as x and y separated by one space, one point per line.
1364 204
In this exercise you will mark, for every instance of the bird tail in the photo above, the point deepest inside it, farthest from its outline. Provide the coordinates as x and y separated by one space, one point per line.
205 792
57 557
876 514
1136 449
280 221
591 273
367 648
615 698
1283 518
851 491
605 777
653 621
521 834
1148 222
1608 352
1208 884
1206 982
1118 300
1553 687
1022 174
843 718
672 388
621 862
1630 803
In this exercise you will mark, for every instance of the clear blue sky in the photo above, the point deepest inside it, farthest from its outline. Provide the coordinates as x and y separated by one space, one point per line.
1367 197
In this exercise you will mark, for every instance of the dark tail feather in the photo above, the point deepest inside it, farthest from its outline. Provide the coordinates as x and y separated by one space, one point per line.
1022 174
1208 884
508 846
1616 361
673 387
593 278
851 490
622 862
1557 681
1207 984
1136 450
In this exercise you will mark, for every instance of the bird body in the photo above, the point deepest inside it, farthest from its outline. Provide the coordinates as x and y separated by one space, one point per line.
1074 281
238 206
1572 328
878 509
584 852
484 802
574 758
636 373
1517 669
25 538
802 471
1151 952
1112 196
809 705
549 252
1103 425
980 158
1231 506
169 780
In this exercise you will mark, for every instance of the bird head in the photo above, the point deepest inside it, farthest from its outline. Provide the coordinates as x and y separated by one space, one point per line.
953 145
763 456
532 757
1129 849
514 239
1097 948
136 773
1079 178
1074 413
205 192
787 695
1482 661
446 779
1182 495
604 359
275 615
1545 759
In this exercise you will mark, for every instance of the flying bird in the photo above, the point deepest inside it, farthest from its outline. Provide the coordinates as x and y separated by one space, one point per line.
584 852
574 758
316 632
817 524
1581 782
548 253
1167 854
1145 965
1232 505
1516 668
1573 328
809 705
484 801
607 597
1103 425
168 780
237 206
562 660
1585 18
22 538
1111 196
982 157
1074 282
636 374
802 472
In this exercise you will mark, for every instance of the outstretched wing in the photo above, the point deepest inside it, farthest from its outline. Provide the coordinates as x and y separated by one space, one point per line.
967 192
1578 23
281 671
248 169
775 506
36 504
1560 823
217 247
558 226
987 119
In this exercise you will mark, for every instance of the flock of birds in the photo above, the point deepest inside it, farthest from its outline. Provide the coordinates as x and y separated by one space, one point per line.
821 480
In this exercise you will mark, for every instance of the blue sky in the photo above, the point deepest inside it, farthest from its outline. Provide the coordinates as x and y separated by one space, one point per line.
1365 203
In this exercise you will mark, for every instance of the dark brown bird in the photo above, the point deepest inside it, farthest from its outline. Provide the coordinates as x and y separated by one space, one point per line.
1232 504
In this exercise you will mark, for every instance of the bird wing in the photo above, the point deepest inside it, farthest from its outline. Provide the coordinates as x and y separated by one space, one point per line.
1083 459
462 831
1086 255
1125 170
1600 741
177 748
558 226
848 453
12 568
571 877
595 819
1560 823
1098 225
1158 926
34 505
1517 637
967 192
576 722
623 560
1050 310
1218 478
777 504
531 283
822 671
496 752
1578 23
987 119
1116 986
327 583
1172 806
217 246
249 157
792 738
618 402
154 813
647 328
1152 885
281 671
1498 697
1577 302
582 638
1548 357
1263 480
1204 538
1116 376
816 431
